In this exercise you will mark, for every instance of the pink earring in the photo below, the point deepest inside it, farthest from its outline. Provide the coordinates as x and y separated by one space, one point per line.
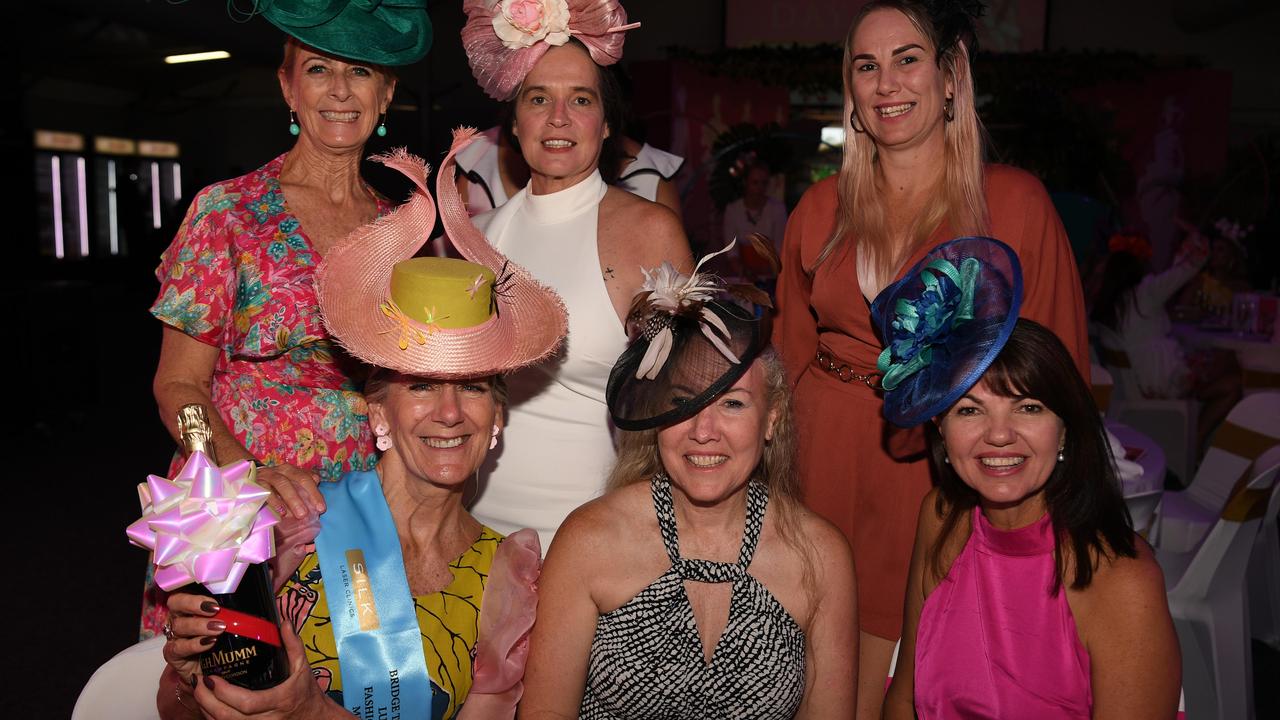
383 441
493 441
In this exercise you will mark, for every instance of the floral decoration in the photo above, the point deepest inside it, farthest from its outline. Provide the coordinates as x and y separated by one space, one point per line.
521 23
921 324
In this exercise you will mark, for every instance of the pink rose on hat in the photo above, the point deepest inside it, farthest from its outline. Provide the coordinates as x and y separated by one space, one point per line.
521 23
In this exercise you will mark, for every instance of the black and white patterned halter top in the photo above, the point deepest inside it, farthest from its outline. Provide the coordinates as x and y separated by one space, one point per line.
646 657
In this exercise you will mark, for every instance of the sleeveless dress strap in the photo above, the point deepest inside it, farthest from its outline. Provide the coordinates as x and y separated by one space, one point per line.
660 488
757 502
709 571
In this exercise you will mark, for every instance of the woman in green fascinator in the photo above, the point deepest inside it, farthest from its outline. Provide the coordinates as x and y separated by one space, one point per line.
242 328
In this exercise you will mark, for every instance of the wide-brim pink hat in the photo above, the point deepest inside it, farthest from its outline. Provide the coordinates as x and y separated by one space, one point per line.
504 39
354 286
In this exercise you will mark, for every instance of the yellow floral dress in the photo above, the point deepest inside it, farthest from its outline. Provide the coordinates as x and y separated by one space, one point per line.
449 621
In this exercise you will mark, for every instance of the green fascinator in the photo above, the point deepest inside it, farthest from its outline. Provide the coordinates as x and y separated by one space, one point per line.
382 32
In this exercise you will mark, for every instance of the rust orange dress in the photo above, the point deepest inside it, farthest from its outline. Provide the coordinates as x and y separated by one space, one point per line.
857 471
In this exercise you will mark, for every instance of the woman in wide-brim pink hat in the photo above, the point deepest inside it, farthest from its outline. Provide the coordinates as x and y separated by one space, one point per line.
440 333
574 232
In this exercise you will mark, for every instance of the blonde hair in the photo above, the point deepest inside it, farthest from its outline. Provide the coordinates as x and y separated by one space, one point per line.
959 198
639 460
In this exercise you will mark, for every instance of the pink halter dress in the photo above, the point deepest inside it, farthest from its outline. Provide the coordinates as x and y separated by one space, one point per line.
995 640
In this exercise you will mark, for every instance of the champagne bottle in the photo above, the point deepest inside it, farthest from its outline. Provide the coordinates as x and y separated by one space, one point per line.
249 652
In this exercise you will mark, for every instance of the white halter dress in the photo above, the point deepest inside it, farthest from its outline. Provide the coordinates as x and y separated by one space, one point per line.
558 444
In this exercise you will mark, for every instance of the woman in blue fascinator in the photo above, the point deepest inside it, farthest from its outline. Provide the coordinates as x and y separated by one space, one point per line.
1029 594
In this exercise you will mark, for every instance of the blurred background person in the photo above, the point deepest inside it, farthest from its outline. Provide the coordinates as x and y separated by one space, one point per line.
1131 312
755 212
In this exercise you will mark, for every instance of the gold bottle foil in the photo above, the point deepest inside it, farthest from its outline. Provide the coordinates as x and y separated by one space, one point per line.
193 428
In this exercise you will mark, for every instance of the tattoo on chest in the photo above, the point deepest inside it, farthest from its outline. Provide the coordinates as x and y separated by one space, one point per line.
608 272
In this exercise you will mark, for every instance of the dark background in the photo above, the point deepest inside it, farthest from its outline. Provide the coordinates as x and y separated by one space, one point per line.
82 429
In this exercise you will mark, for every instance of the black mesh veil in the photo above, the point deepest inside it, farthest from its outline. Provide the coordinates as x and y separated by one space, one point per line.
695 372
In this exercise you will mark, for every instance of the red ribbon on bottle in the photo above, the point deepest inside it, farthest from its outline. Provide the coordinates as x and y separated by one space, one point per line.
249 626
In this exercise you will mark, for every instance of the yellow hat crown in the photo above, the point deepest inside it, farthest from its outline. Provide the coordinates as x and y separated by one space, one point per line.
443 293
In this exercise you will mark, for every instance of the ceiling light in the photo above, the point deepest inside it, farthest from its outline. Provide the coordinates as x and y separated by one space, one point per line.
197 57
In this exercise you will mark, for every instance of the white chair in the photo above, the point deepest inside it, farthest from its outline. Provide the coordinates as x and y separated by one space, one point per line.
1264 579
124 688
1251 428
1207 601
1260 367
1170 422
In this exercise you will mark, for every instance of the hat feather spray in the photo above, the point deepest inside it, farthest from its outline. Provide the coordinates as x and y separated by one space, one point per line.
667 293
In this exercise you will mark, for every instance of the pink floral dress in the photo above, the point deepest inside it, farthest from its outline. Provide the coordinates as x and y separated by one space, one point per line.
240 276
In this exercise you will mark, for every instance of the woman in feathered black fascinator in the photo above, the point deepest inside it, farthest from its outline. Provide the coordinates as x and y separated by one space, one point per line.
698 585
912 177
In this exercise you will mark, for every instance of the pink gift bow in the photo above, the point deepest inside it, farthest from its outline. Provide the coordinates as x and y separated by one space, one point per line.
206 525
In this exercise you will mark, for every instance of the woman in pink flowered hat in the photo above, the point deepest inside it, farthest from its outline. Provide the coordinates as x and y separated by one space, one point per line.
584 238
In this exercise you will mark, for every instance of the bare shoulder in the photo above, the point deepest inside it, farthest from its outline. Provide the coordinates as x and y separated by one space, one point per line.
929 520
631 209
647 232
596 525
1119 580
833 554
819 531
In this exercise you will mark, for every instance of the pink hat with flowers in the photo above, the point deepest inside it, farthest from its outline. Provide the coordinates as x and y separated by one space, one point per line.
504 39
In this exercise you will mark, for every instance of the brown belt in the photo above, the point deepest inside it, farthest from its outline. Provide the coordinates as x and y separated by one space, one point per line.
842 372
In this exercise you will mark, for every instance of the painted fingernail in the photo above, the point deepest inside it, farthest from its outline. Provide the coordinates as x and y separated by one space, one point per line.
209 606
217 625
208 681
194 679
208 640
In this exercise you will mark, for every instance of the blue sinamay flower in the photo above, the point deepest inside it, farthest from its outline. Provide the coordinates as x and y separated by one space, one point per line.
924 323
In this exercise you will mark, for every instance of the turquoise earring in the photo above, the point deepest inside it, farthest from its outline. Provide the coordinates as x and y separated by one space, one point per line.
382 126
294 127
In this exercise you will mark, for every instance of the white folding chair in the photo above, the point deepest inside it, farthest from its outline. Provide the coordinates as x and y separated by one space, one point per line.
1259 366
1170 422
1251 428
124 688
1207 600
1264 579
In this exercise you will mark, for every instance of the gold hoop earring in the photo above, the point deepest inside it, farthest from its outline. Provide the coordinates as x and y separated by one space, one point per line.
853 120
948 112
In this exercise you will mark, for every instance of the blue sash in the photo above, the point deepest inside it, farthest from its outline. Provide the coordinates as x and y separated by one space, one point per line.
375 624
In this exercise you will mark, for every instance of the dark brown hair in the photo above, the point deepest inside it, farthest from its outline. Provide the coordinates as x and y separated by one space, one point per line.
1083 491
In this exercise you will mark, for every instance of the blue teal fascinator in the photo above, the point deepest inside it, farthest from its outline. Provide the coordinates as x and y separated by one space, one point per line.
943 324
382 32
